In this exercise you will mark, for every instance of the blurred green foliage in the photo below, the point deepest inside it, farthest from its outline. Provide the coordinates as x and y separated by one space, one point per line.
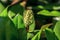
12 26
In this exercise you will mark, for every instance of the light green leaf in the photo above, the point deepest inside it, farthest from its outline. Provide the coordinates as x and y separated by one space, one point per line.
40 7
18 21
57 29
55 13
11 14
47 13
1 7
29 35
37 36
56 7
4 12
32 27
44 12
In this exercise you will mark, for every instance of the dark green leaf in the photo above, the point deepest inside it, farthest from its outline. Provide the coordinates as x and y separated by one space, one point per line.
7 29
50 35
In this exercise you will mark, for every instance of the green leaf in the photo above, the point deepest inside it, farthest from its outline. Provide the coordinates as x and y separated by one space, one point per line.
18 21
40 7
50 34
56 7
15 9
29 35
32 27
57 29
17 14
55 13
4 12
10 31
22 34
37 36
47 13
11 14
1 7
44 12
7 29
